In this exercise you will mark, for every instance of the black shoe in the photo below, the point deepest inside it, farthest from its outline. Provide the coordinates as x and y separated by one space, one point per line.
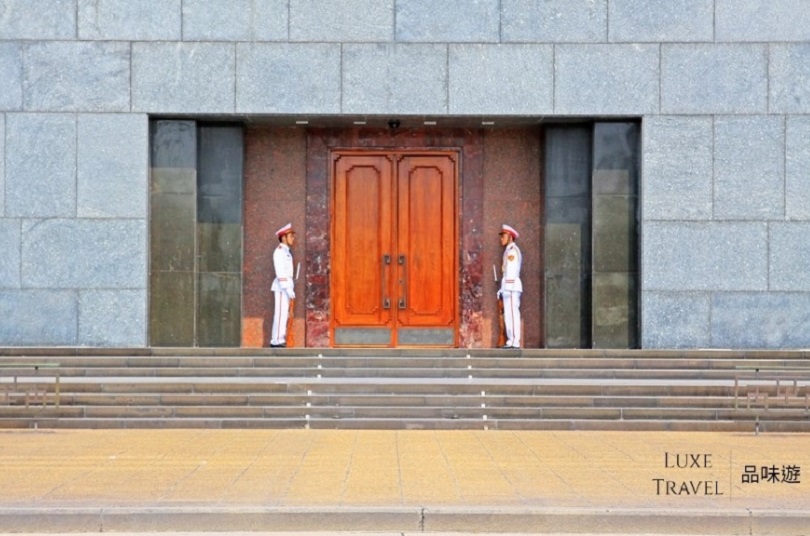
505 347
282 345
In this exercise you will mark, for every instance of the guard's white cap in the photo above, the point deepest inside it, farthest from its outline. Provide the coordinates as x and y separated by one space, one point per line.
507 229
284 230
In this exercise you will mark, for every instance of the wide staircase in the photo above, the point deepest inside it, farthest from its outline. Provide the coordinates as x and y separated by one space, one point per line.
751 391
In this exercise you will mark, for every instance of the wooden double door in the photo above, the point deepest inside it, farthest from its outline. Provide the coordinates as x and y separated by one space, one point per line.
394 276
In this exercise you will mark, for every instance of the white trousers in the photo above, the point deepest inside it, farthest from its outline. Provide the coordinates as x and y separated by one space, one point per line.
511 317
280 315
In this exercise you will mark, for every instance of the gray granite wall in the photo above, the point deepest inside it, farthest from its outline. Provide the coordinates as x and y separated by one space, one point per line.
722 88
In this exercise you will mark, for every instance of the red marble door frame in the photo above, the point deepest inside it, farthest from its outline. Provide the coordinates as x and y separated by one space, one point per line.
318 223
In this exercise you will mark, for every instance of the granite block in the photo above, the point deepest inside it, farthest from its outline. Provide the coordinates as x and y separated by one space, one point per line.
478 72
288 78
709 78
797 168
760 320
553 21
564 251
235 20
183 77
395 78
749 182
112 166
789 244
615 231
2 165
567 174
173 225
218 309
677 162
40 165
705 256
70 77
173 150
606 79
346 21
453 21
758 21
789 76
675 320
614 312
565 323
112 318
38 317
10 258
85 254
616 152
10 76
50 19
642 21
171 308
219 246
125 20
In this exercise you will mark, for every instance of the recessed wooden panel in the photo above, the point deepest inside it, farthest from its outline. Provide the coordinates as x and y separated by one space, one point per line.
426 233
362 237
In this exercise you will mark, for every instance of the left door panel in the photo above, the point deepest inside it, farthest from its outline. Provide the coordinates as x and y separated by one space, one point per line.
363 234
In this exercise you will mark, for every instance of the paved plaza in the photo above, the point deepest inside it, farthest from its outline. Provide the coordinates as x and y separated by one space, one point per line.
423 481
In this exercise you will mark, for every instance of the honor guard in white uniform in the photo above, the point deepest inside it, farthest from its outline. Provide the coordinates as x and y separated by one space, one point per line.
511 286
282 285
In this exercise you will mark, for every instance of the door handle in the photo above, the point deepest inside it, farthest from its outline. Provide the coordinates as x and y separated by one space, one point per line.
386 261
403 282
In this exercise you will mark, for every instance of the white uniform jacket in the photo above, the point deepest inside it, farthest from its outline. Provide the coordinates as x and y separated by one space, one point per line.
283 263
512 259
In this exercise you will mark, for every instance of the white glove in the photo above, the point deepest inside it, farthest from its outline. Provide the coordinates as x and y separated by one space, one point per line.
499 294
291 293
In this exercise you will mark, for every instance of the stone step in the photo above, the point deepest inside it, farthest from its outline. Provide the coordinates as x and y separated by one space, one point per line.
394 400
481 389
225 373
71 365
435 389
763 426
418 386
408 412
180 352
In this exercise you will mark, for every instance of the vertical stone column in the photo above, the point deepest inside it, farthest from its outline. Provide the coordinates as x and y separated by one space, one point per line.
567 232
173 219
615 236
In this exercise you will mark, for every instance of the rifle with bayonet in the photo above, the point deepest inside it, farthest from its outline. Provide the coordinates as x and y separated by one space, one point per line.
501 323
290 340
